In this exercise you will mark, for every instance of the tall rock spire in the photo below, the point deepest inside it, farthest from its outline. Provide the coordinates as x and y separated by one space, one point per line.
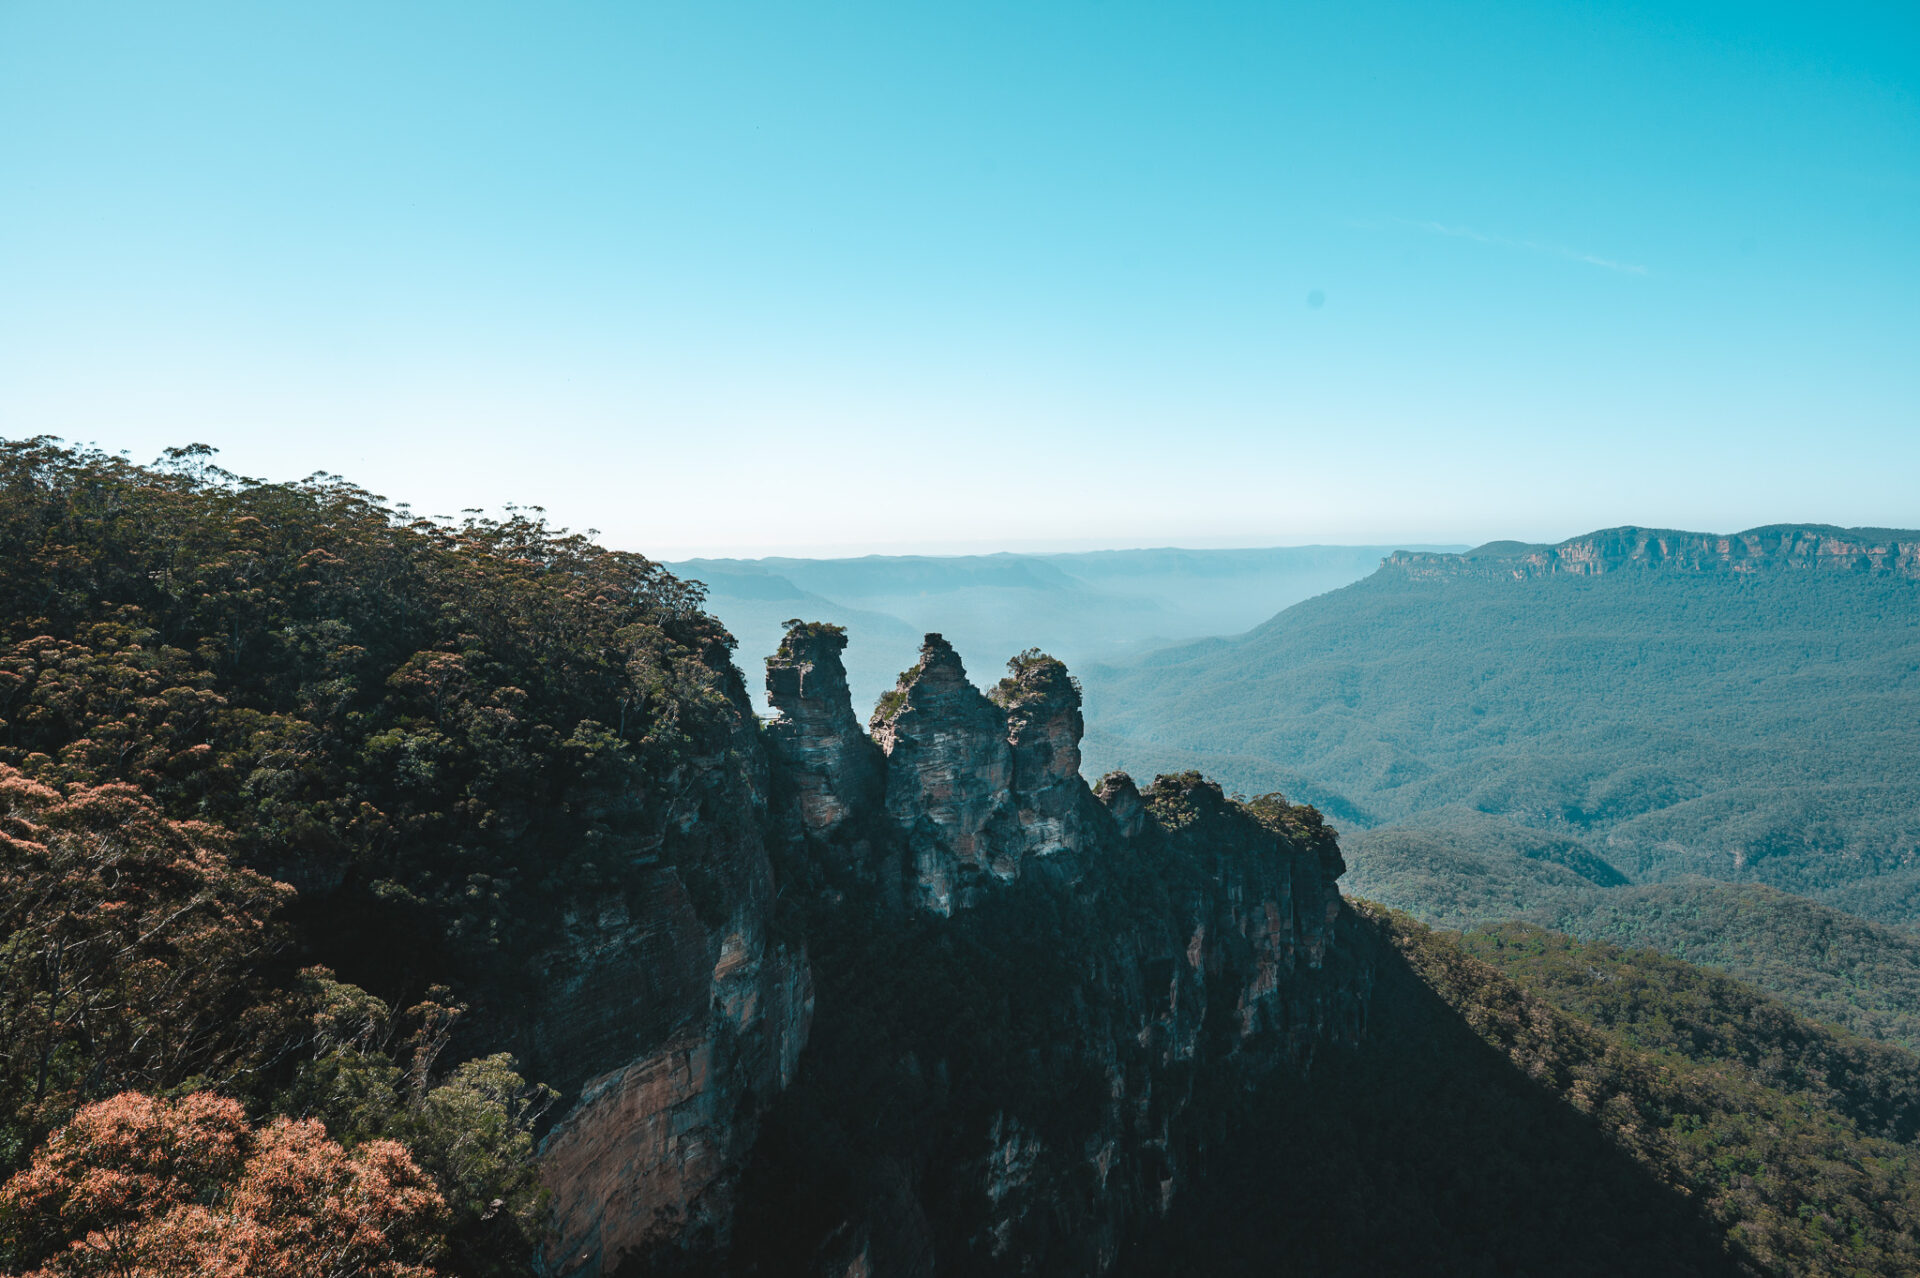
949 771
1044 726
834 769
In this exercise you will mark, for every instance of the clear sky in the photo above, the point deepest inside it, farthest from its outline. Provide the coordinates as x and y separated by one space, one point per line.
806 278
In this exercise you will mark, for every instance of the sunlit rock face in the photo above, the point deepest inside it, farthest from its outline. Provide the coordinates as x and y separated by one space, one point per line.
949 772
1123 803
1775 548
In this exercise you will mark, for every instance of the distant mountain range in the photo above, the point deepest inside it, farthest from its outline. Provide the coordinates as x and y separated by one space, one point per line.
1641 704
1107 605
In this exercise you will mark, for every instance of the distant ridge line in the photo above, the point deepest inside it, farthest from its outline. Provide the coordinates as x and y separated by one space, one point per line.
1886 551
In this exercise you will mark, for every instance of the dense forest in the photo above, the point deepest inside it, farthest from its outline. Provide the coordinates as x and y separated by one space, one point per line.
296 788
1459 869
290 785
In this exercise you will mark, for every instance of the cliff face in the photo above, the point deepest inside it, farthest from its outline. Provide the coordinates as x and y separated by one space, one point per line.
948 771
1036 1004
1215 961
982 786
830 764
666 1015
1779 546
1033 1002
1044 727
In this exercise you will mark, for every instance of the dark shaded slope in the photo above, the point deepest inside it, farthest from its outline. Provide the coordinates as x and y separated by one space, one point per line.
1526 1104
1825 963
1427 1150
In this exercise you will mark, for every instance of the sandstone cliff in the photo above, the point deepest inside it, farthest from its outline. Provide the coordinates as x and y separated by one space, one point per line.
667 1015
1030 999
1034 1000
831 766
1778 546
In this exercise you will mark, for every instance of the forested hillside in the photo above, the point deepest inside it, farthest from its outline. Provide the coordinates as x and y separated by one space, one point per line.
1670 717
290 789
1527 1104
1456 869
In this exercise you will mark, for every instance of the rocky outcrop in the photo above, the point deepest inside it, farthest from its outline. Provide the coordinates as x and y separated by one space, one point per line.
669 1017
1123 802
830 766
1044 726
1165 950
1036 998
949 769
1248 967
1776 547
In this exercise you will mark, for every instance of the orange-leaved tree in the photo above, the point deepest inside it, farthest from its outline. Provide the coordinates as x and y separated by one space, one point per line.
136 1187
130 955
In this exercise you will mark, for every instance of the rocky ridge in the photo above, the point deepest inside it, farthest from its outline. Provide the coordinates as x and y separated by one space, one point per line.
1169 948
1779 546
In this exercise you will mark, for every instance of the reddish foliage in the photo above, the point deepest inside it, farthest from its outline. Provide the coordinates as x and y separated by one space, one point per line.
144 1188
130 951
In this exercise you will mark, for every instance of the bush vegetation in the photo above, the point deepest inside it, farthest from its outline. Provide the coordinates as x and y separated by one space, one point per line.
287 779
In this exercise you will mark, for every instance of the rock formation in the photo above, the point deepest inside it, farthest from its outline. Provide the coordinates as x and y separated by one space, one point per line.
948 774
1166 949
669 1016
831 765
1044 726
1122 797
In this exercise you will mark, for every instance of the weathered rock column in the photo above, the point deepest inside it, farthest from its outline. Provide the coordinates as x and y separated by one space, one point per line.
948 774
1044 726
834 769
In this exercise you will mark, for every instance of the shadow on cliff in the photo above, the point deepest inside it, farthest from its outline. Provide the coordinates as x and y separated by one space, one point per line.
1424 1150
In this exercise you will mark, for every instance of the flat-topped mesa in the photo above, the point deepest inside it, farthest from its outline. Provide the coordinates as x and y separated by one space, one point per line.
949 771
1777 547
1044 727
834 768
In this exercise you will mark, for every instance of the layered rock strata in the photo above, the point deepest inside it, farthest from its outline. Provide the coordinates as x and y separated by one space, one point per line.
1044 726
1240 967
949 772
1166 949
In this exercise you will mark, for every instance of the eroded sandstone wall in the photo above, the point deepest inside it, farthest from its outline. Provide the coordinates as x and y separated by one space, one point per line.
1779 547
669 1014
1166 949
1201 951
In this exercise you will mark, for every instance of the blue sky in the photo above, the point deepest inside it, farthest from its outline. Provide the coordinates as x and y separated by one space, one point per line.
730 278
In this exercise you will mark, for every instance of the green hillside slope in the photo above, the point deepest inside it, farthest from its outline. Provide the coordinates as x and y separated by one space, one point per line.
1749 723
